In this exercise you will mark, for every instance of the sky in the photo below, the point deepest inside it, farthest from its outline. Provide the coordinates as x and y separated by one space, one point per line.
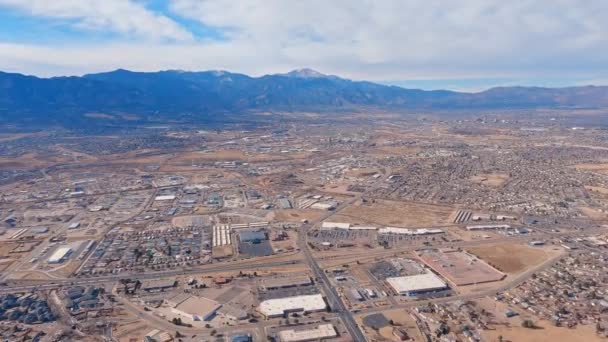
466 45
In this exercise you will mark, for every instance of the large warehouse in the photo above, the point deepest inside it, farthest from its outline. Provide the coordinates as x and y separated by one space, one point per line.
315 334
281 306
417 284
59 255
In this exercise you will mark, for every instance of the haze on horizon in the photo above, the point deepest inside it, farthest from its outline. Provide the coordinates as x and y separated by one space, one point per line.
460 45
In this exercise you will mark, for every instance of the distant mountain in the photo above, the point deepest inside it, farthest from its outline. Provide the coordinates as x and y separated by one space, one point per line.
208 95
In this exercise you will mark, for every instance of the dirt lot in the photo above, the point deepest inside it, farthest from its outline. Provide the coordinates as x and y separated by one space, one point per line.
297 215
392 213
511 258
597 189
593 213
401 319
491 179
511 329
599 167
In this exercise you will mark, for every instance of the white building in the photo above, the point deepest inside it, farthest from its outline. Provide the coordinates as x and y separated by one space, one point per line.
408 231
59 255
489 226
165 198
335 225
417 284
315 334
281 306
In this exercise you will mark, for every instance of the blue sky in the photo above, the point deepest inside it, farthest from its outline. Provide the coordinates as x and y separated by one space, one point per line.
467 45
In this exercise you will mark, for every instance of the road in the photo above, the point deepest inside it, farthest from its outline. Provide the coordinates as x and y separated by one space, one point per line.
333 298
16 287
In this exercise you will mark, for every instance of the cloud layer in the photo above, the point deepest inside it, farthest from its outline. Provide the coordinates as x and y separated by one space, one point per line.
363 39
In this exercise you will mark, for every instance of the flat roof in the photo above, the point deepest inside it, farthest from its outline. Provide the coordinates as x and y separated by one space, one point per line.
409 231
164 198
419 282
59 254
198 306
291 280
335 225
318 332
308 303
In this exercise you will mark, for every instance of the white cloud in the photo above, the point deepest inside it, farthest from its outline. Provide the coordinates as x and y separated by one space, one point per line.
365 39
120 16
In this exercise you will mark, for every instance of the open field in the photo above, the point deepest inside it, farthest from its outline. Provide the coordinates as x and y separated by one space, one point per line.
597 189
393 213
596 167
491 179
297 215
511 258
593 213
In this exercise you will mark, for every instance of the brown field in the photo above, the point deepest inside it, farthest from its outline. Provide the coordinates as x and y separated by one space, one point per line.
511 258
291 215
597 189
392 213
546 333
511 329
593 213
597 167
490 179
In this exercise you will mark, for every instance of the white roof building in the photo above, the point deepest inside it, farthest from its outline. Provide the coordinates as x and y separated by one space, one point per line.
335 225
317 333
280 306
420 283
165 198
489 226
59 255
408 231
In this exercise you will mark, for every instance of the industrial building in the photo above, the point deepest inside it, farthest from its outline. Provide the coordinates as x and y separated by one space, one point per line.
252 236
285 282
489 226
157 285
281 306
408 231
417 284
193 308
320 332
164 198
334 225
59 255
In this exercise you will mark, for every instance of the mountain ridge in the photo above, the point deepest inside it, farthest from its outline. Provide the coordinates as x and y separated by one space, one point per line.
210 94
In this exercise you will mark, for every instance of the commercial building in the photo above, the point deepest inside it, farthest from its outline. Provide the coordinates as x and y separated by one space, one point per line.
158 285
285 282
165 198
417 284
315 334
281 306
252 236
334 225
407 231
489 226
59 255
194 308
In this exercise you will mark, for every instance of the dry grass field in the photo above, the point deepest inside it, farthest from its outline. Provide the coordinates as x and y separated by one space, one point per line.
596 167
511 258
393 213
490 179
546 332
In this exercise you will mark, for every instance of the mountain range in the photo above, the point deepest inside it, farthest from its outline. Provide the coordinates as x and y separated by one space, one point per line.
210 94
